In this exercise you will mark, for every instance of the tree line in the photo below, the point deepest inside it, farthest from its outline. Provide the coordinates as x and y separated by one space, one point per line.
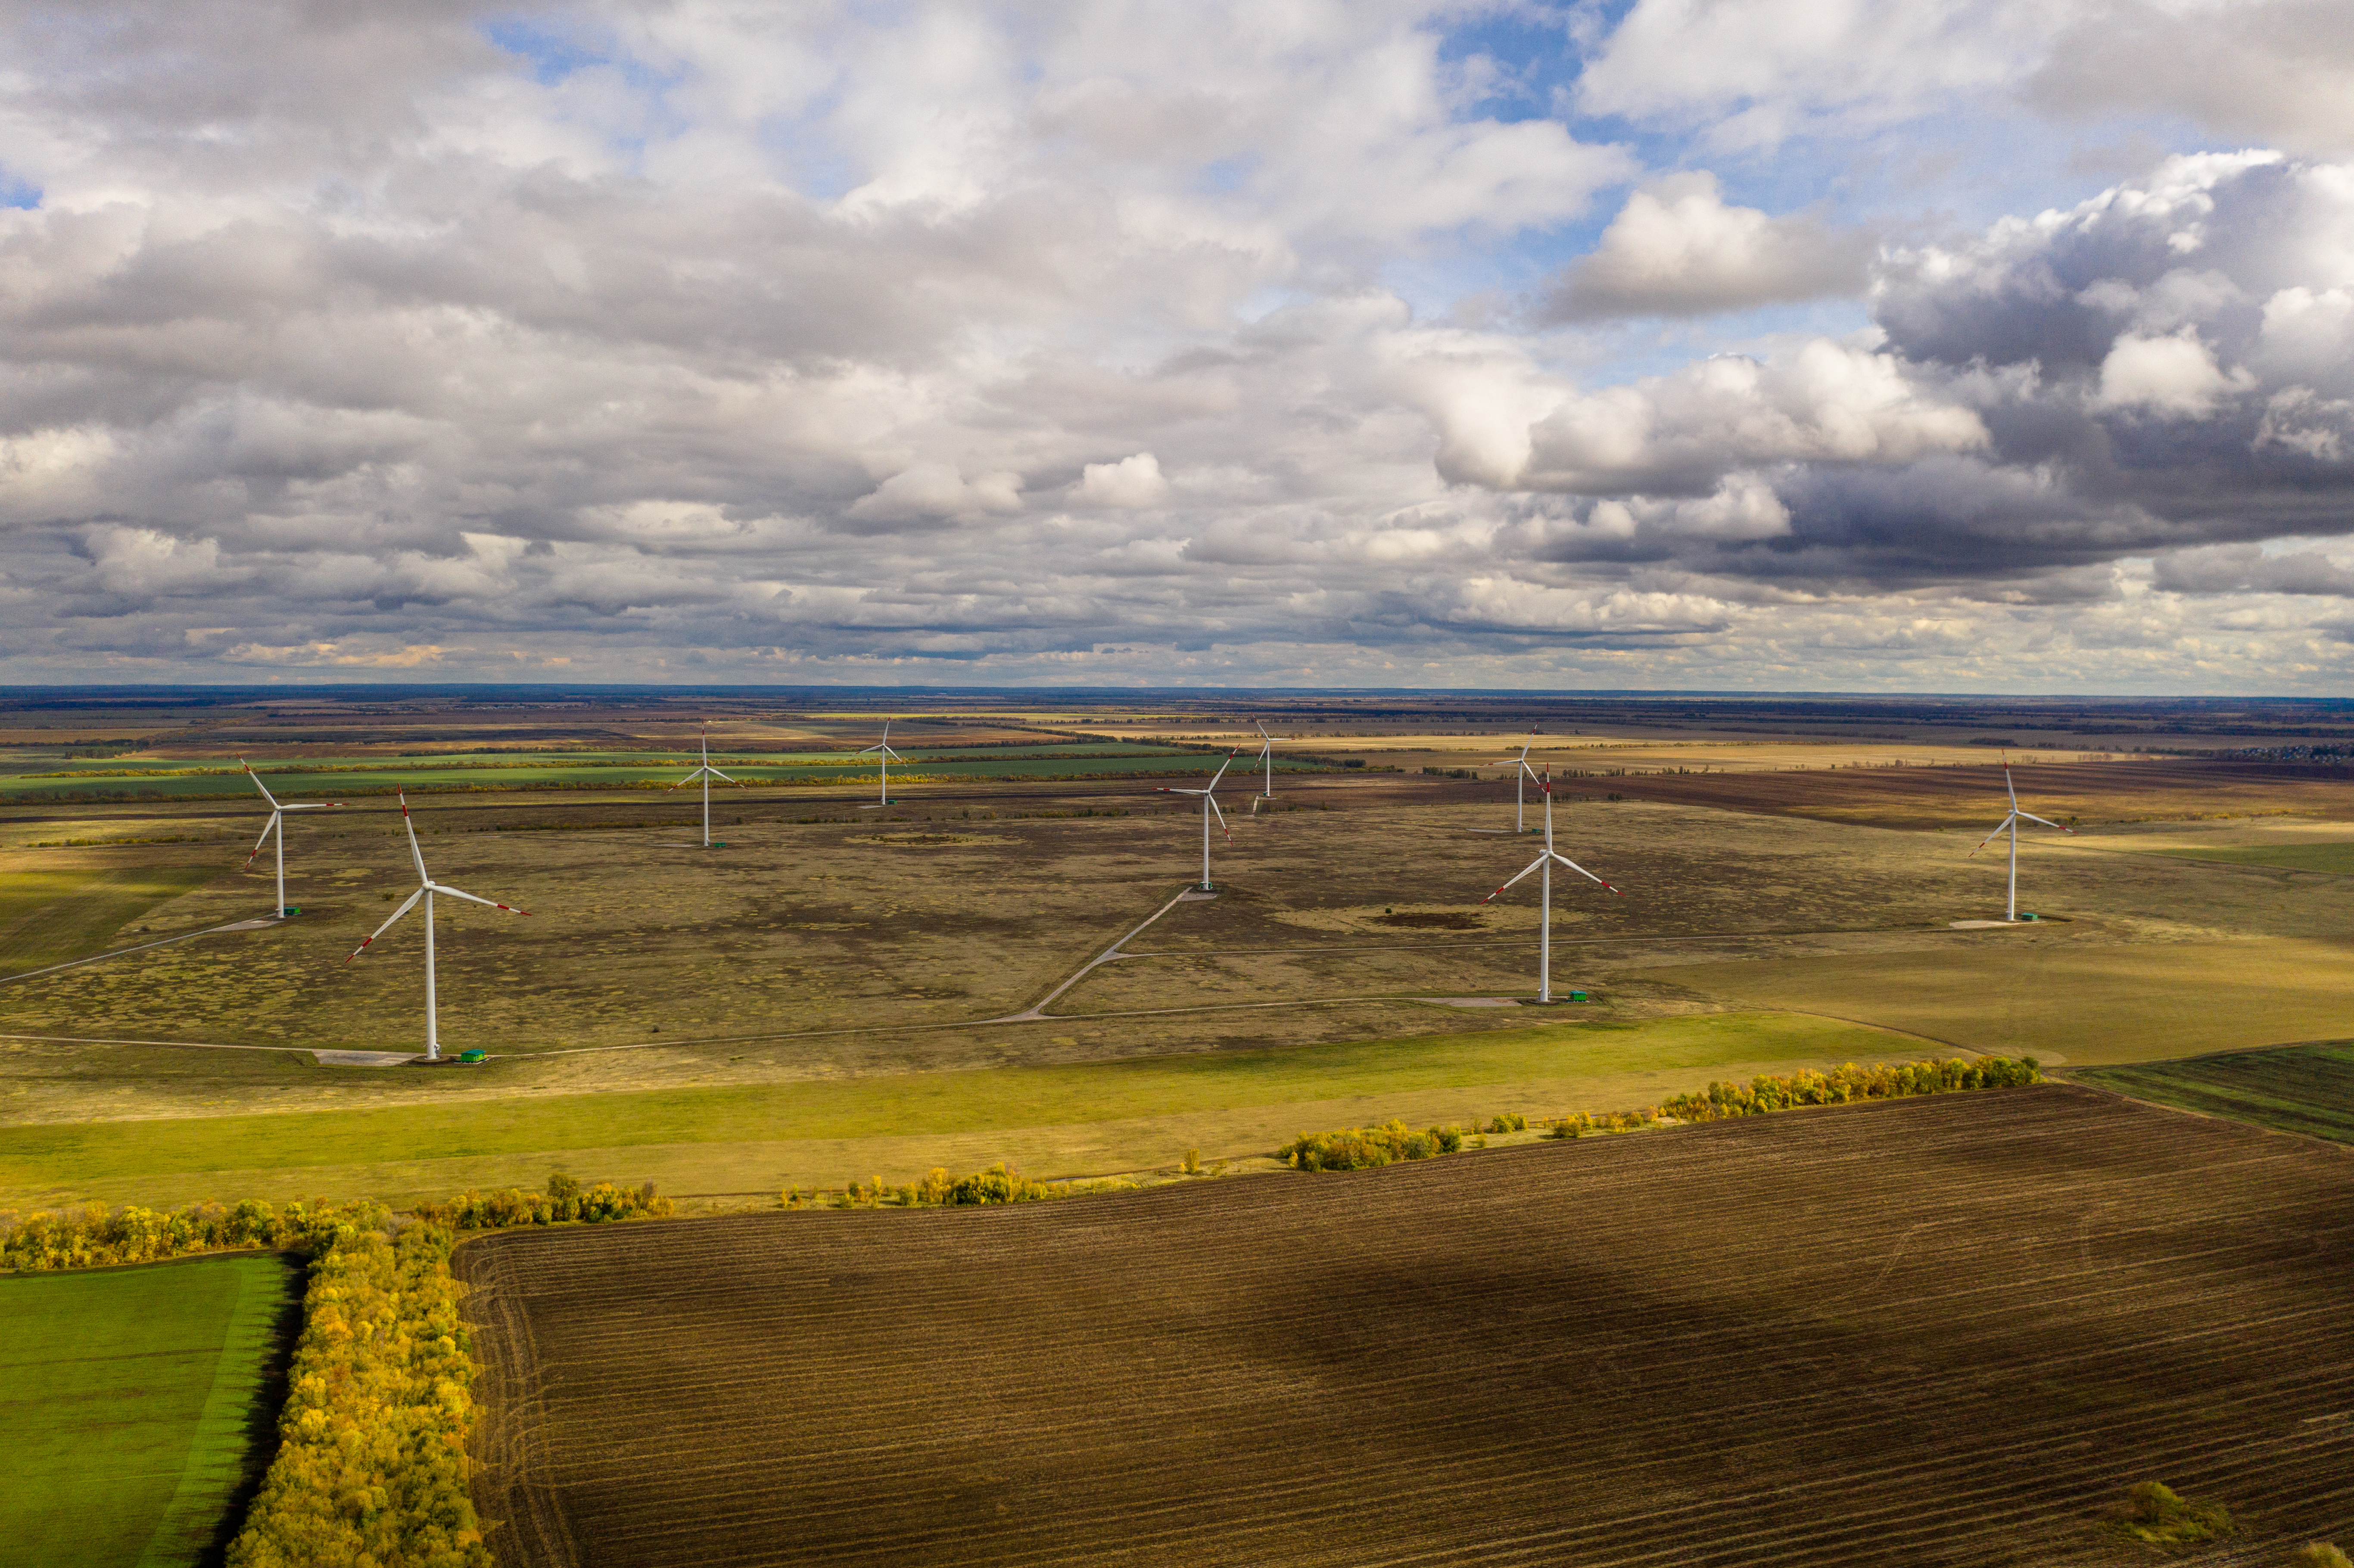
1366 1148
1000 1183
100 1237
371 1469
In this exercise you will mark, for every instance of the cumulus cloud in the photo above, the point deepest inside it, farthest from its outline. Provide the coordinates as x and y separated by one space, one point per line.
1132 482
1677 249
1822 401
2174 374
2251 568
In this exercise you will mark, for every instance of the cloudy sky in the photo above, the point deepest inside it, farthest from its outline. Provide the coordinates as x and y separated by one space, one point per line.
1859 344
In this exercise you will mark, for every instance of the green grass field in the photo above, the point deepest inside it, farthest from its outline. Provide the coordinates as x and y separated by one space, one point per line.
158 1159
2296 1088
129 1407
49 916
2337 858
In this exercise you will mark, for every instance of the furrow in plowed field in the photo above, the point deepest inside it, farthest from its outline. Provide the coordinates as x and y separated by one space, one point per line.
1944 1330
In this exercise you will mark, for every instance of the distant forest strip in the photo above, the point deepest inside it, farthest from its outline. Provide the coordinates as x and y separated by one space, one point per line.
2291 1088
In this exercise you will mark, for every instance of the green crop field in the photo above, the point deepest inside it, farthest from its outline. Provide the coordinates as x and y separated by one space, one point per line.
130 1406
2296 1088
2335 858
403 1149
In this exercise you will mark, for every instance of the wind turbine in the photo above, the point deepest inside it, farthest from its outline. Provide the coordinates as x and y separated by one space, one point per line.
277 824
706 773
427 888
883 760
1267 756
1209 807
2011 823
1521 777
1544 861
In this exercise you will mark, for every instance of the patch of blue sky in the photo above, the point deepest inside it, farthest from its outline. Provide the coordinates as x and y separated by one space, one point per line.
17 191
552 52
1228 175
556 55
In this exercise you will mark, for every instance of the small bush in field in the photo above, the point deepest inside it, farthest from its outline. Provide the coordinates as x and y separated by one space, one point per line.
2156 1515
1507 1122
2321 1554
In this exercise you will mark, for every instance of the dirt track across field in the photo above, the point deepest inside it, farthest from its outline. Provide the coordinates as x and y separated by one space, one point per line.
1944 1330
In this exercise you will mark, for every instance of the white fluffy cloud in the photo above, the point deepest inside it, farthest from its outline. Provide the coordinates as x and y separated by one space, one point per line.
1676 249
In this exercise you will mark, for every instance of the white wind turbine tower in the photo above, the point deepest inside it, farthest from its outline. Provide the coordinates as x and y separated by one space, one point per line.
1209 807
428 887
277 824
1544 862
884 753
1265 755
2011 823
1520 776
706 773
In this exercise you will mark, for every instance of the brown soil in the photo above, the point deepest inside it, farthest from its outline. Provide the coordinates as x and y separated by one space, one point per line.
1430 922
1948 1331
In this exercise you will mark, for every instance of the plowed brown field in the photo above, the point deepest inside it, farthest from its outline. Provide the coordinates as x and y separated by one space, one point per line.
1947 1331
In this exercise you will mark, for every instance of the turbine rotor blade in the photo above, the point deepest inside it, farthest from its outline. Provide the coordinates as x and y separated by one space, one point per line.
380 930
717 774
491 903
262 840
1525 871
1212 801
1992 836
2046 821
1583 872
415 853
257 784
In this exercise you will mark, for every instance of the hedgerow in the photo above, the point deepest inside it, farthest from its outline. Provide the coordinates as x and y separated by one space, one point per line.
1365 1148
998 1184
100 1237
1846 1085
372 1469
565 1201
1362 1147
